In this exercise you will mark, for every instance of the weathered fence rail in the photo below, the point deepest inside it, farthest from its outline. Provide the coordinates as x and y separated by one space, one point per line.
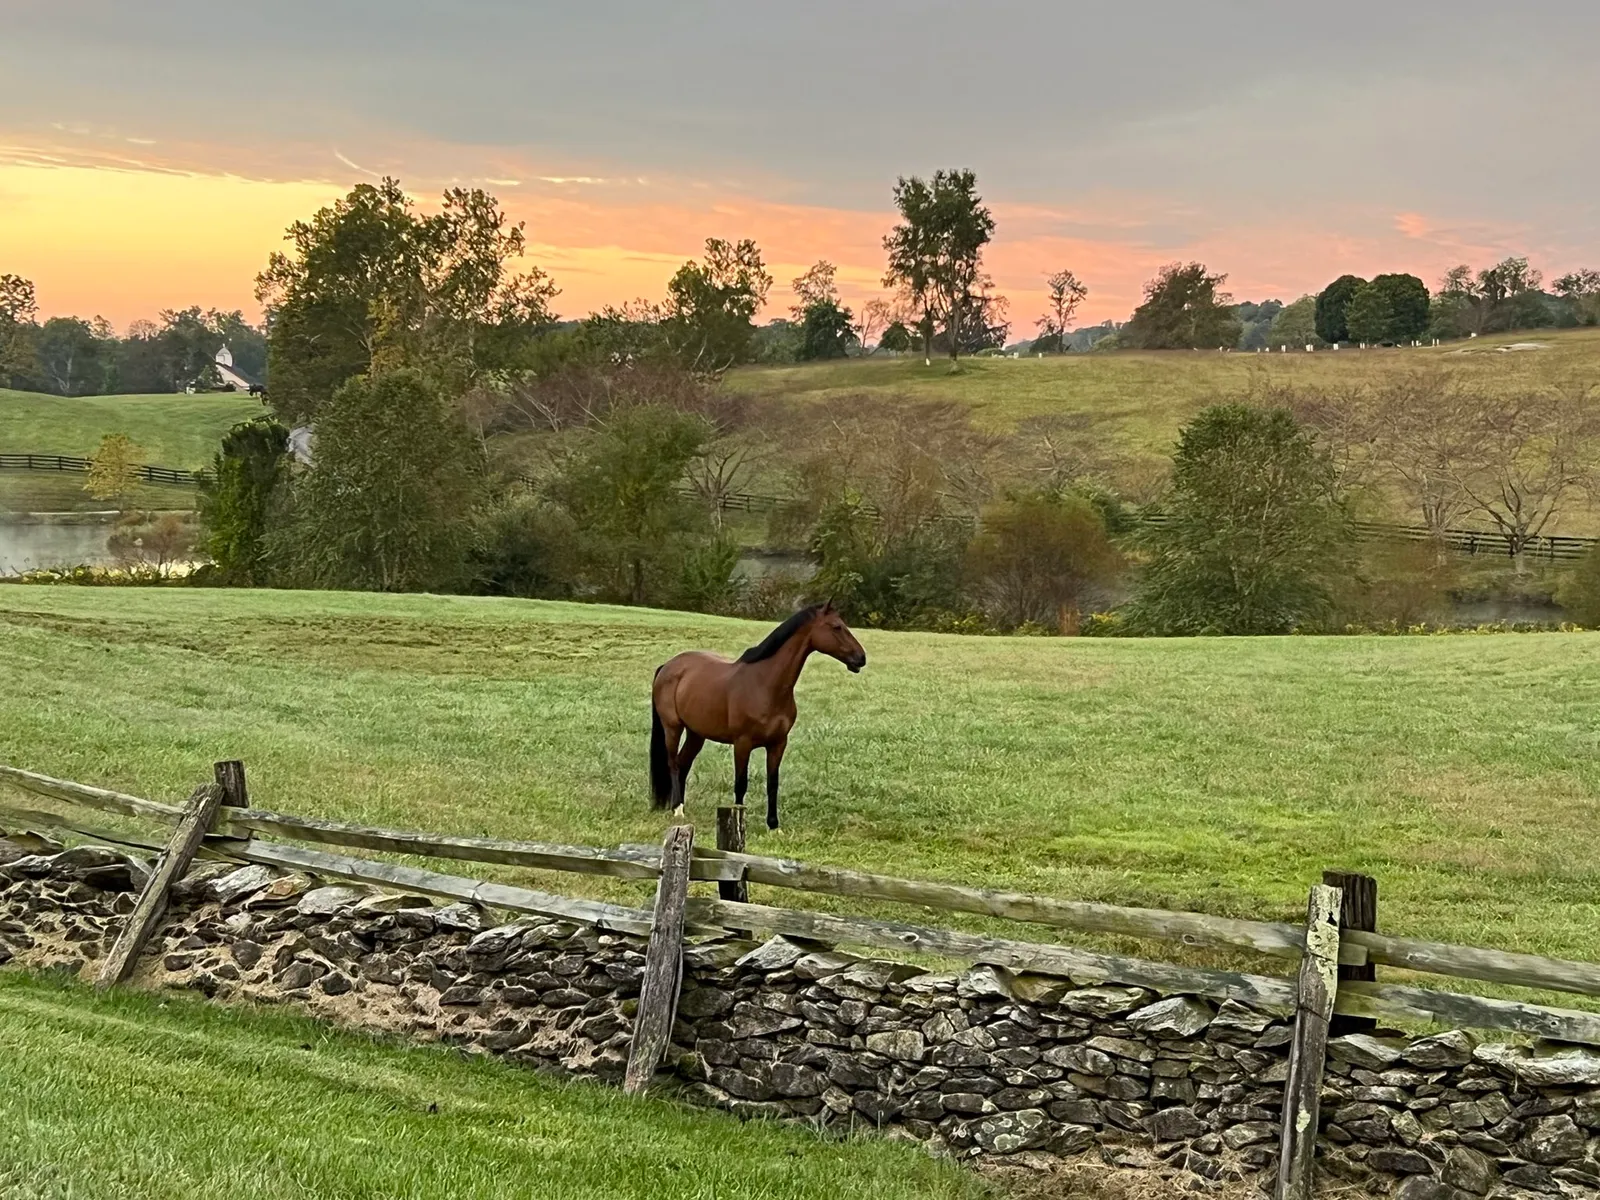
147 473
1336 950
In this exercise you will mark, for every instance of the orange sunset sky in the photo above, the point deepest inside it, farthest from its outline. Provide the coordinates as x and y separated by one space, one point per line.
152 160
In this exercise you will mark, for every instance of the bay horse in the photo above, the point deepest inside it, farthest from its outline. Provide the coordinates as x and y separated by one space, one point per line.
746 703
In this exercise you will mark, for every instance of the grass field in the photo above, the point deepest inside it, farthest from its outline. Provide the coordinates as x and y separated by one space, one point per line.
50 491
1221 775
135 1096
174 431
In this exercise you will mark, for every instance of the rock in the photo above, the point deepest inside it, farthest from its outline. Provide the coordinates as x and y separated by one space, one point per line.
1083 1059
325 901
704 1002
1399 1162
906 1045
1103 1002
468 918
983 981
1531 1176
1174 1125
1180 1017
1122 1048
1452 1049
296 976
246 953
1470 1171
390 902
1364 1050
876 1107
1552 1140
876 976
462 995
279 892
1406 1128
752 1020
1563 1068
1420 1187
821 964
1039 989
791 1080
1247 1133
715 954
1235 1016
1010 1132
969 1103
237 884
1070 1139
335 983
776 954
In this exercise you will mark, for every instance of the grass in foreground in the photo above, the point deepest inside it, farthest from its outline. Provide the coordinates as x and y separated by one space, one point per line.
50 491
173 430
1221 775
131 1095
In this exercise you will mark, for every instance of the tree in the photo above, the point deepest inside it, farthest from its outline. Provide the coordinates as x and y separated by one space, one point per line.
1183 310
1253 530
1332 303
622 489
1369 315
936 252
1581 289
1579 593
828 331
114 469
1295 325
1036 556
243 496
711 305
371 284
1407 300
1067 292
389 504
816 286
18 309
896 338
70 357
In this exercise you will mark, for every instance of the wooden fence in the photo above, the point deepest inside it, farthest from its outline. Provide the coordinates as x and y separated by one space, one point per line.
1336 949
147 473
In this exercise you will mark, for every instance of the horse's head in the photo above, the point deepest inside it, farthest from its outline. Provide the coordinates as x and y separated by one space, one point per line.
831 636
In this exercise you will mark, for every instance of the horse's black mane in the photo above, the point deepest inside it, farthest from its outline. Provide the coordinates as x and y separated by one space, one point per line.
774 641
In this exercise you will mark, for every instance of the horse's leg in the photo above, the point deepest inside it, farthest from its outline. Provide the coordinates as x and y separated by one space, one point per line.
774 758
741 769
692 742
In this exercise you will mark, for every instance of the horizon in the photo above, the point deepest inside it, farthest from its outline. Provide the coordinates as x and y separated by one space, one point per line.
126 190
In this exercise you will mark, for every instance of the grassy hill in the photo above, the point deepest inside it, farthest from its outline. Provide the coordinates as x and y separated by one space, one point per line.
173 430
272 1106
1221 775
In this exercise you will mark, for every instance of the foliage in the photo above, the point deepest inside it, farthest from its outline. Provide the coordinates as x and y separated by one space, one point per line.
1369 316
162 543
896 338
1407 298
936 252
1579 593
622 489
388 505
708 320
827 331
114 469
1581 289
370 284
1256 320
1036 556
1252 532
1295 325
1504 296
880 576
1066 293
1183 310
817 286
243 496
1332 304
1399 585
525 546
707 578
778 341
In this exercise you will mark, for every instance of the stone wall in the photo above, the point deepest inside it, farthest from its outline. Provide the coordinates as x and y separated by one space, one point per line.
981 1064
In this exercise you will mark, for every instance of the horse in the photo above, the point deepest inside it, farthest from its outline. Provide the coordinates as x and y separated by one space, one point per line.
746 703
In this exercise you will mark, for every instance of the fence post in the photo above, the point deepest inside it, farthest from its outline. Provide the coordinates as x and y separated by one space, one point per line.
730 836
1357 910
663 966
1315 990
172 864
235 794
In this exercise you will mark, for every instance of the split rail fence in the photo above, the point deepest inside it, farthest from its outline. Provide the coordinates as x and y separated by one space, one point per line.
1336 950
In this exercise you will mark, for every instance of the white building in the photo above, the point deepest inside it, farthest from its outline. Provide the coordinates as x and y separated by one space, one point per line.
229 375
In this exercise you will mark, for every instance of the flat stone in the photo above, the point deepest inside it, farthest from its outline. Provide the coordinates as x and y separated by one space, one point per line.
775 954
1248 1133
325 901
876 976
1174 1125
1399 1162
1180 1018
715 954
1552 1140
1008 1133
753 1020
1083 1059
467 918
1442 1050
1420 1187
1039 989
1364 1050
1563 1068
242 882
1235 1016
791 1080
1470 1171
906 1045
1123 1048
822 964
246 953
1104 1002
983 981
280 892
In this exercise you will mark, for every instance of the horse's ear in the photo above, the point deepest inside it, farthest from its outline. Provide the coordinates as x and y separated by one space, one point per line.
827 605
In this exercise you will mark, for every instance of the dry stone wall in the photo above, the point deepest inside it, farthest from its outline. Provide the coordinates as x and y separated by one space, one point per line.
979 1064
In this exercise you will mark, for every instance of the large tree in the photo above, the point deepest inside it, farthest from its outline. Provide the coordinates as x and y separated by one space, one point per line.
1253 529
71 359
244 493
936 251
1369 315
1067 291
711 305
827 328
18 310
371 283
1295 325
1332 301
1407 298
389 503
1183 310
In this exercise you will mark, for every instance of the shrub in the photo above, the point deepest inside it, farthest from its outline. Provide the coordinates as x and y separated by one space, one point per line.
1579 593
1036 557
524 547
244 497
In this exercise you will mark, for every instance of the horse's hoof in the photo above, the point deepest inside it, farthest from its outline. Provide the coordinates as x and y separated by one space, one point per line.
772 825
677 813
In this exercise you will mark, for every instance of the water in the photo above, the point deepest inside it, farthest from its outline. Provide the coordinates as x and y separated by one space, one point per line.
36 541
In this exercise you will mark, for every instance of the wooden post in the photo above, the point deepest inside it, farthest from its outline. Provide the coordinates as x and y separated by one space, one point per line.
730 836
174 861
1315 991
663 967
230 778
1359 910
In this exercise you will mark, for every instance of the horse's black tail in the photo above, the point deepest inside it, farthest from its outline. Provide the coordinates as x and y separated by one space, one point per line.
660 772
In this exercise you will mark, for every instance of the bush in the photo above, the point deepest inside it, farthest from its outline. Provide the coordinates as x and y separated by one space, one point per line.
706 578
1253 535
244 497
1035 559
163 544
1401 585
524 547
1579 593
892 580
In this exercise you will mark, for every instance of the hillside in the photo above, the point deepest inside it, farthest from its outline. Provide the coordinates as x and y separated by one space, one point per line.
173 430
1222 774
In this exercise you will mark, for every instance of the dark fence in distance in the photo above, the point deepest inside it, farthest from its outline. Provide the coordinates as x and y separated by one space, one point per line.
1464 541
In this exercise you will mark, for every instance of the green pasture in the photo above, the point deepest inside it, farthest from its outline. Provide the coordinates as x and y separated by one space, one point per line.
173 430
138 1096
1219 775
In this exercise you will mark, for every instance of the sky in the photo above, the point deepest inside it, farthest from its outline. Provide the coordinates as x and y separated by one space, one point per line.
151 155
